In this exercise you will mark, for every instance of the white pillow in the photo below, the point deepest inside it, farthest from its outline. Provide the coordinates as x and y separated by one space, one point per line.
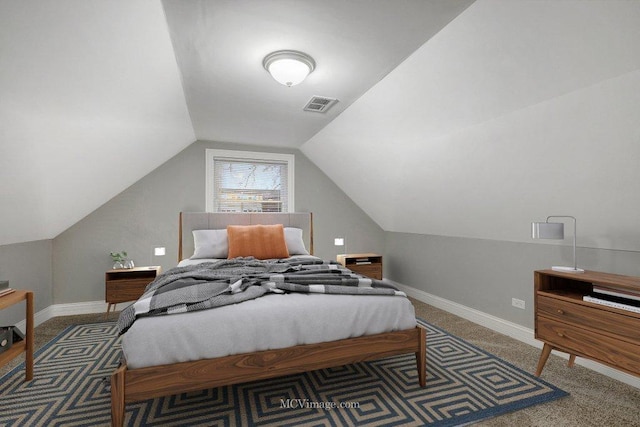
295 244
210 244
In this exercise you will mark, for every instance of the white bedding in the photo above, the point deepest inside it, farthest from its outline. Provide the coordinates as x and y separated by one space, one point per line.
269 322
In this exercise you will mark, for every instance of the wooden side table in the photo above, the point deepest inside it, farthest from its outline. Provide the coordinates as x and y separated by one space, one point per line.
127 284
592 328
367 264
26 345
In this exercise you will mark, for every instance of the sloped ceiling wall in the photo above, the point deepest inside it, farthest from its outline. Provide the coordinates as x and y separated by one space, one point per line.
220 46
92 92
90 101
514 111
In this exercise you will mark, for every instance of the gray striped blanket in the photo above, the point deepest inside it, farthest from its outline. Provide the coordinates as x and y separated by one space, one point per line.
215 284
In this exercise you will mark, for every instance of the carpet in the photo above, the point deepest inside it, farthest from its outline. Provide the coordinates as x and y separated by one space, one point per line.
464 384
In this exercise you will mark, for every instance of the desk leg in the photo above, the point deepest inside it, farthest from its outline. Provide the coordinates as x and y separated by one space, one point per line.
546 351
421 356
28 358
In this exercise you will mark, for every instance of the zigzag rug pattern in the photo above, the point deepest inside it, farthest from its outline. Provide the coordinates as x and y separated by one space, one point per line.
464 384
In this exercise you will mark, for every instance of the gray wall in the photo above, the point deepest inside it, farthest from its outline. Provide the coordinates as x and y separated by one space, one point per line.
486 274
146 215
26 266
481 274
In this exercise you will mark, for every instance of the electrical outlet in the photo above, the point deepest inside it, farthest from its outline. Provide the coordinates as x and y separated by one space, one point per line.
517 303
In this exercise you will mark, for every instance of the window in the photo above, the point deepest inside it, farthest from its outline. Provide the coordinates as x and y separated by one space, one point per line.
244 181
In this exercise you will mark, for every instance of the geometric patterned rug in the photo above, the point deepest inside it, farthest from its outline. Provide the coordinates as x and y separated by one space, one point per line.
464 384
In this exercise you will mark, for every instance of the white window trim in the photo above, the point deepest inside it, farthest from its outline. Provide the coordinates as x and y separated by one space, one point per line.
211 154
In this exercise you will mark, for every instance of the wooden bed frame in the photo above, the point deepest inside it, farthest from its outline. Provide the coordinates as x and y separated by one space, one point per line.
131 385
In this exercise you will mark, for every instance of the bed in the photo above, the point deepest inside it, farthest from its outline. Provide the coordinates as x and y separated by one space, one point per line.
194 366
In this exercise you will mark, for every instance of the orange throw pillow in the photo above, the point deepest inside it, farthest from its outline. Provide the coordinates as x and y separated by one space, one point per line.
259 241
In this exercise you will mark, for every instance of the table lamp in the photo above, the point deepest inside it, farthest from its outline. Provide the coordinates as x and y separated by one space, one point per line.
555 230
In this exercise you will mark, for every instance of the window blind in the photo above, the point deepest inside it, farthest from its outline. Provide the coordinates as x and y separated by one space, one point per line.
250 185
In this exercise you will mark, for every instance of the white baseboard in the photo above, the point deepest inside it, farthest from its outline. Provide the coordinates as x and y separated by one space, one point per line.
510 329
70 309
79 308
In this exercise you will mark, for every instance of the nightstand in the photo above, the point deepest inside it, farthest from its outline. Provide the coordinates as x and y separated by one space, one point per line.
367 264
127 284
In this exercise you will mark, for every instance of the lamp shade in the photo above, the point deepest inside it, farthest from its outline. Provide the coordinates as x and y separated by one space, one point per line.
547 230
289 67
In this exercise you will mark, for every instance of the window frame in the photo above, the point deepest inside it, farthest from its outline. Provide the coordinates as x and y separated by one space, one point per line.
213 154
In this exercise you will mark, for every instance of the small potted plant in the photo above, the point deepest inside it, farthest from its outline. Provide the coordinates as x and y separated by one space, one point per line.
118 259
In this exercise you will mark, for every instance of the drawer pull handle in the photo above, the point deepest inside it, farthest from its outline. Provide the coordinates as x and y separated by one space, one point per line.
560 311
560 334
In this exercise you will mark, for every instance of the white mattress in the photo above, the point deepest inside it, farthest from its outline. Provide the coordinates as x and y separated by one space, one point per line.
269 322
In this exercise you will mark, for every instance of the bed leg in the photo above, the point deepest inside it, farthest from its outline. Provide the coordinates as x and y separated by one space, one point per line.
117 396
421 357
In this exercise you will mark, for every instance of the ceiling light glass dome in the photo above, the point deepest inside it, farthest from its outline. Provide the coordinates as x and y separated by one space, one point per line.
289 67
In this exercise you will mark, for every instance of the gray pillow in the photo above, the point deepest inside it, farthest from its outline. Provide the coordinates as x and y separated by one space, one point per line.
295 244
210 244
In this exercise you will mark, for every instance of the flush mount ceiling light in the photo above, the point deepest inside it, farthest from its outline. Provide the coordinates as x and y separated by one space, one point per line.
289 67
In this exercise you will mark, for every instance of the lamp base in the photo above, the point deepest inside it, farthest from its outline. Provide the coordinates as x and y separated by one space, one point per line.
567 269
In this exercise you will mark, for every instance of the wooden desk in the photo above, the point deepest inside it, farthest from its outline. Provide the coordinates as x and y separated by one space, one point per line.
26 345
565 322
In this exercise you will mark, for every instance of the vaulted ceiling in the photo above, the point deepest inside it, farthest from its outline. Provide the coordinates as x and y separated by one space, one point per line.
220 46
96 94
459 103
514 111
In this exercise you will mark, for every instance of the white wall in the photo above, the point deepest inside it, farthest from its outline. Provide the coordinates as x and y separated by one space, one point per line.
87 87
515 111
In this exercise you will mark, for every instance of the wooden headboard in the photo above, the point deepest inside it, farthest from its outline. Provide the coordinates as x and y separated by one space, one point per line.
190 221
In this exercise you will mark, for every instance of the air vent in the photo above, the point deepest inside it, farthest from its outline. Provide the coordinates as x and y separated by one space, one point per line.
319 104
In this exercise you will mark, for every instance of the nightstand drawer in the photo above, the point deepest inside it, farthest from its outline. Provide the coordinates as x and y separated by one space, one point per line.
125 290
595 318
372 270
594 345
